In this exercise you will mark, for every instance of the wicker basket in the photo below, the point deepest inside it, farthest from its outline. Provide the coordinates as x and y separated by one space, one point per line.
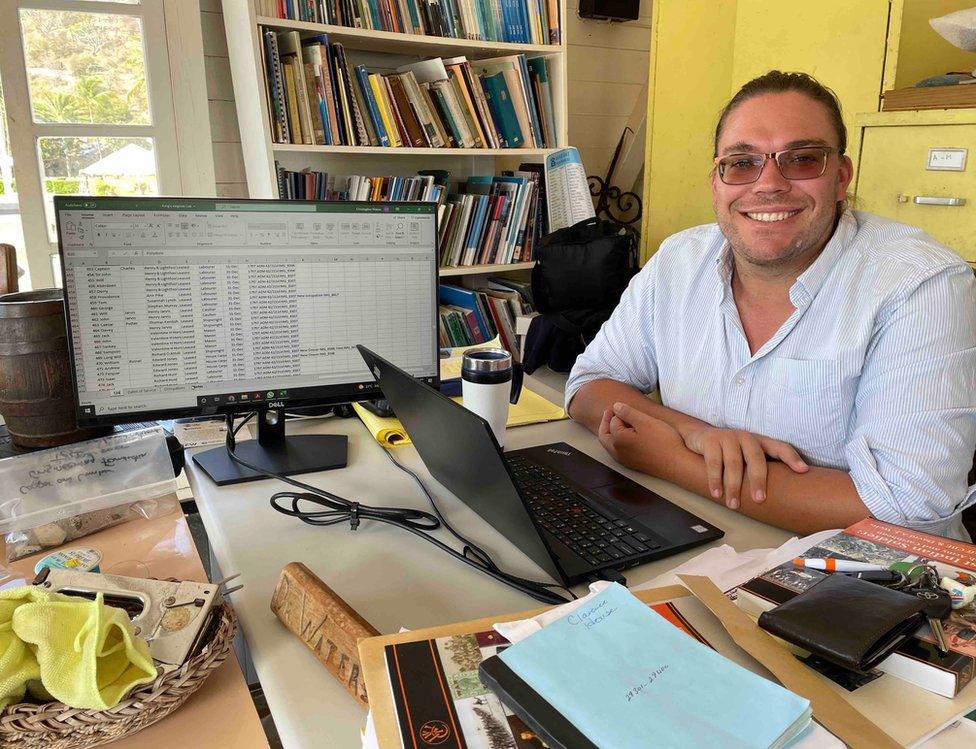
54 725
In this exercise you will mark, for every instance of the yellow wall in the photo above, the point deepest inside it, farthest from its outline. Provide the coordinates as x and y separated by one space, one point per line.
923 53
702 51
691 52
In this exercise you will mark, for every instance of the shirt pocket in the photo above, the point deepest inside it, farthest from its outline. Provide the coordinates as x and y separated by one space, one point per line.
805 404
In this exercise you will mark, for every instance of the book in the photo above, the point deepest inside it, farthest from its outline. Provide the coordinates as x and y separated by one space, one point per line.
372 106
389 126
416 135
290 50
917 661
502 109
275 82
620 673
465 702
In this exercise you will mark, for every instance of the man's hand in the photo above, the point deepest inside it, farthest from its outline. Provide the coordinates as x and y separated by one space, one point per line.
635 439
727 451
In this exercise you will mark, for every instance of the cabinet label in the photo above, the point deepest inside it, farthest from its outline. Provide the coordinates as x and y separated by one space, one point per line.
947 159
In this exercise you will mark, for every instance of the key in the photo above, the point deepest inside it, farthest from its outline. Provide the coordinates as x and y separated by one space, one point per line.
937 605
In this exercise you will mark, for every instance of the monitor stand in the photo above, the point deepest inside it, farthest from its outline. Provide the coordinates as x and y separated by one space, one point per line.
275 453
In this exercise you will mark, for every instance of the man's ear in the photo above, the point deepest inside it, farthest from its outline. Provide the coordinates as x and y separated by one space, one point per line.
845 173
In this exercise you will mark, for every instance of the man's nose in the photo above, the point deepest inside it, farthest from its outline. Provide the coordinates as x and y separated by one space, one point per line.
771 179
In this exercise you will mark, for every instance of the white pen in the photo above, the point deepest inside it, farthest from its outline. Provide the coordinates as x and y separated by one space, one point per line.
837 565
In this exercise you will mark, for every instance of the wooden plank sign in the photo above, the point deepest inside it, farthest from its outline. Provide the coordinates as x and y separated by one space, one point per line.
329 626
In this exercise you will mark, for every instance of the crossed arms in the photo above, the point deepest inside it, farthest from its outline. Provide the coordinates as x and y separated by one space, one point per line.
726 465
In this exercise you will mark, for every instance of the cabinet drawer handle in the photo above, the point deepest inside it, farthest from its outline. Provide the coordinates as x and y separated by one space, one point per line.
934 200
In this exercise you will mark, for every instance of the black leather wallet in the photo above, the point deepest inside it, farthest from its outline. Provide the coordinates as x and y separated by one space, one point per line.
849 622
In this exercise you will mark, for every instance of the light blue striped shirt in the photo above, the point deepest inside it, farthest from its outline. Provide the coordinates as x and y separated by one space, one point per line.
874 373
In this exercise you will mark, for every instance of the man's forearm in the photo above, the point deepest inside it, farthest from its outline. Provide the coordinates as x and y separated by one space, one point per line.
594 397
805 503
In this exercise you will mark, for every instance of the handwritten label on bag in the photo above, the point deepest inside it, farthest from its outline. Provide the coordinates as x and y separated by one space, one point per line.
56 481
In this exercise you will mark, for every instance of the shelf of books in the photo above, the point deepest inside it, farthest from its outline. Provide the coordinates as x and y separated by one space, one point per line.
455 101
408 44
498 21
539 153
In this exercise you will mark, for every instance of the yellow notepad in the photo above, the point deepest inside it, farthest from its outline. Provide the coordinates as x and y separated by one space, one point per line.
531 408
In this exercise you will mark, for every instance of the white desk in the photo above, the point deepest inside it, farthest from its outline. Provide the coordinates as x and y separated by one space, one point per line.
392 578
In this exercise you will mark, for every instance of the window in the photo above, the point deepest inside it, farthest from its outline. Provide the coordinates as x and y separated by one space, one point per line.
97 110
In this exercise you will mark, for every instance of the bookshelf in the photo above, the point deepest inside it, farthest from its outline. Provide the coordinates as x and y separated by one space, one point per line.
483 270
380 51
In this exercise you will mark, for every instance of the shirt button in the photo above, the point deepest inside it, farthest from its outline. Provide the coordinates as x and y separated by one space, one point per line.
740 380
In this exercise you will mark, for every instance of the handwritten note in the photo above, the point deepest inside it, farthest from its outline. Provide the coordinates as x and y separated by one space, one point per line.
591 615
620 673
44 486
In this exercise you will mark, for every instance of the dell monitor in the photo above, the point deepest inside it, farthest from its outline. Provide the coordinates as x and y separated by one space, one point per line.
192 307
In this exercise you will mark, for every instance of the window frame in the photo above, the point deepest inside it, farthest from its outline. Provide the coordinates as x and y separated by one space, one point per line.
179 111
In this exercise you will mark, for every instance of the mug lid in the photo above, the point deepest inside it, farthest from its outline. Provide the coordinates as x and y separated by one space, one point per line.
486 360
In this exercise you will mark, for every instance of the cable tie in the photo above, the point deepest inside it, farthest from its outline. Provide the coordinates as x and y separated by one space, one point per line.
354 516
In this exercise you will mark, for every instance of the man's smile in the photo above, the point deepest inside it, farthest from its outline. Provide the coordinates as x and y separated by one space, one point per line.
767 217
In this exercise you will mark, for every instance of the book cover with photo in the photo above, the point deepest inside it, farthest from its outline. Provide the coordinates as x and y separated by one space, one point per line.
440 699
918 660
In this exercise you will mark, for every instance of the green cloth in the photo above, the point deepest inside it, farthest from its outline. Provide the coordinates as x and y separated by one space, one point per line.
83 652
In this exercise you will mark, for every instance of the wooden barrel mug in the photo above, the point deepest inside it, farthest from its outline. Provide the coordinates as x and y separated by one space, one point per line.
37 399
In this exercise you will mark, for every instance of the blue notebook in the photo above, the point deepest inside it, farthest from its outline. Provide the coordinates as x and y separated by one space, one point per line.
622 675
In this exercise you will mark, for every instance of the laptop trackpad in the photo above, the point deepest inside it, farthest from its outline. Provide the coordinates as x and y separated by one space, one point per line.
629 499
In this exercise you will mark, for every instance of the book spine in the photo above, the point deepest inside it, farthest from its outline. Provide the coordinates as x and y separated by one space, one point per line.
467 106
388 125
437 96
420 100
372 105
552 14
394 112
314 105
496 90
343 86
415 131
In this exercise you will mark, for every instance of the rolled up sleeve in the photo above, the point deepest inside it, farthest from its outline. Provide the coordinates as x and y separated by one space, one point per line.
624 349
914 426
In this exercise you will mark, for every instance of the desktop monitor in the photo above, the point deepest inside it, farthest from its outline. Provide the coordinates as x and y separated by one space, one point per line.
187 307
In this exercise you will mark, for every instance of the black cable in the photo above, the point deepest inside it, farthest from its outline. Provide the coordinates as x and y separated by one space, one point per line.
417 522
478 552
243 422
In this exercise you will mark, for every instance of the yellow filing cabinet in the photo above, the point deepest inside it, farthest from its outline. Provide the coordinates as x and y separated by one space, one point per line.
896 178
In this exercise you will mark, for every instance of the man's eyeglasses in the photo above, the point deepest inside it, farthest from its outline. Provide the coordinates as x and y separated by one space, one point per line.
808 162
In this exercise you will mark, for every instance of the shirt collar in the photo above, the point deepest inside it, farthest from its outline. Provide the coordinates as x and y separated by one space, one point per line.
809 282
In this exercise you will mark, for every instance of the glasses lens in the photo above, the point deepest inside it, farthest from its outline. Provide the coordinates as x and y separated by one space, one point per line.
802 163
740 168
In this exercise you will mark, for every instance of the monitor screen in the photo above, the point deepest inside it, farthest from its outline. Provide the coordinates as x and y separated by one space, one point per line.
193 306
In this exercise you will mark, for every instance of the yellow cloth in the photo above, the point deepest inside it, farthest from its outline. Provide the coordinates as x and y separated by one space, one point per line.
87 654
17 662
530 409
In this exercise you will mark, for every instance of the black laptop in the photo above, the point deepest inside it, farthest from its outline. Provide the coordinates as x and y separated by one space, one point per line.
572 515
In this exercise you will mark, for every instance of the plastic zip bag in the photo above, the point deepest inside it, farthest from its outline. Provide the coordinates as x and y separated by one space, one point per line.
53 496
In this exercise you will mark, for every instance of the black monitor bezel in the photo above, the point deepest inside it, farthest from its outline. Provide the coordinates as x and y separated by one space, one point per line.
344 393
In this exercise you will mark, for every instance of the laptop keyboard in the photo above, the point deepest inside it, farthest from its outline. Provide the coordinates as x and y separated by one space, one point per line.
598 537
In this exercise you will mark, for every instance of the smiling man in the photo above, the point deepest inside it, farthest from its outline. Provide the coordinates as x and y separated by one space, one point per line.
815 365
